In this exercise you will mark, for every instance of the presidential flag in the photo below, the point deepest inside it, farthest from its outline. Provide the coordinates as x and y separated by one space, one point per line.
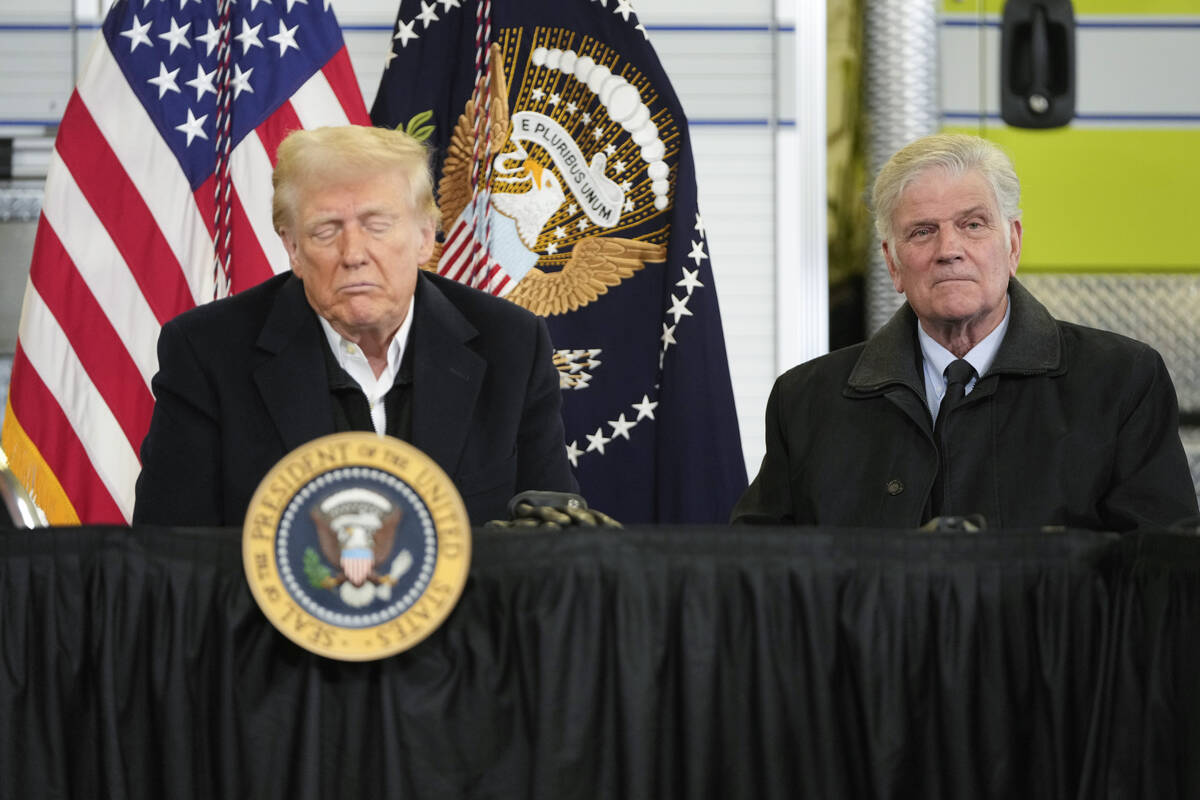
566 185
158 197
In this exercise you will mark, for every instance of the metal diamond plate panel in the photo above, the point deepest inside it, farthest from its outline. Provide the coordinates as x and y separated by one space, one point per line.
1161 310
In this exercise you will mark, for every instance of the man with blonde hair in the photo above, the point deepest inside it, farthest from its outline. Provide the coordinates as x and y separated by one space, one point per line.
972 399
355 337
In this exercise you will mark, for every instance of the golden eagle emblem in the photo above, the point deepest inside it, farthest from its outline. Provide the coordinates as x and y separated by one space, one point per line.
539 209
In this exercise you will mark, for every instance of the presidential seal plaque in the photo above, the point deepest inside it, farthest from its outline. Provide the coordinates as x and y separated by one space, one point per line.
356 546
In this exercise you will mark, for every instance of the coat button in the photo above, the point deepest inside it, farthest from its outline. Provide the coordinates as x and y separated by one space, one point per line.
894 487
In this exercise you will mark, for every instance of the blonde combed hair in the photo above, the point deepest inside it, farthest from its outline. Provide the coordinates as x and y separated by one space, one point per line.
322 154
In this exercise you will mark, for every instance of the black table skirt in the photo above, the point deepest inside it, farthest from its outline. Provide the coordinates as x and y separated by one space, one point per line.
653 663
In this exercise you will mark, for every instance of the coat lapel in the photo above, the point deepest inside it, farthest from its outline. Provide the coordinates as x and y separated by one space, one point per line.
447 376
1032 345
291 379
890 365
890 357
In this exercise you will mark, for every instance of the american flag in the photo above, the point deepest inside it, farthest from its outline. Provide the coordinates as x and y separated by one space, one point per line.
158 197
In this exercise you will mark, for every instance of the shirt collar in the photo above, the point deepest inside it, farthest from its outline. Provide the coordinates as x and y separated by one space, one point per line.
346 353
981 356
936 358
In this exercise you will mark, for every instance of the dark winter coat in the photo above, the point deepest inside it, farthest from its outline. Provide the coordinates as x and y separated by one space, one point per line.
1071 426
242 382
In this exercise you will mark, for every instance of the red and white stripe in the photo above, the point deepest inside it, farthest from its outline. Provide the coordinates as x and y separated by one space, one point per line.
357 569
466 260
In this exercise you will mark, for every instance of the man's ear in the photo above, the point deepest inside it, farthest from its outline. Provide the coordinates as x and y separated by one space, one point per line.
428 237
1014 245
289 244
890 259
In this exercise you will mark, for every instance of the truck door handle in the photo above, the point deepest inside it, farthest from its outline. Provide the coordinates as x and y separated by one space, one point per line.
1037 63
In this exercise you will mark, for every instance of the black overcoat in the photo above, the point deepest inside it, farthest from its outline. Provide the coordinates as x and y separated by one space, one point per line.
242 382
1071 426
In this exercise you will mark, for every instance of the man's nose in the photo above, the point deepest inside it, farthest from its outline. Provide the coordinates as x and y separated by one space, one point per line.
949 243
354 245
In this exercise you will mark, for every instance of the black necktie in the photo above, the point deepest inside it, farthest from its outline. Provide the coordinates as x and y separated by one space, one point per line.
958 375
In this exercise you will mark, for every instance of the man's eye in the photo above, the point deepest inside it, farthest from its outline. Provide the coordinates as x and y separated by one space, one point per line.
379 226
324 233
921 233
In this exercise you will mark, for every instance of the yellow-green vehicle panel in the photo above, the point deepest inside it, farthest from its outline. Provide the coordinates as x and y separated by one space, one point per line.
1118 189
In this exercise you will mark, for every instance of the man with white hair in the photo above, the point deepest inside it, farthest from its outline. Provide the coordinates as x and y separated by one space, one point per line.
972 399
355 337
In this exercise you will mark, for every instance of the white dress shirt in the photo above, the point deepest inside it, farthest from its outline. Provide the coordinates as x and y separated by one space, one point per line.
350 357
936 358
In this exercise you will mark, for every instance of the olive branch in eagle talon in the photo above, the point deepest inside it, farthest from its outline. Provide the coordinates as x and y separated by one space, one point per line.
596 264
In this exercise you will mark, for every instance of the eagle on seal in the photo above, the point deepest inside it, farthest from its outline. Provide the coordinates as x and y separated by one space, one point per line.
596 263
356 530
